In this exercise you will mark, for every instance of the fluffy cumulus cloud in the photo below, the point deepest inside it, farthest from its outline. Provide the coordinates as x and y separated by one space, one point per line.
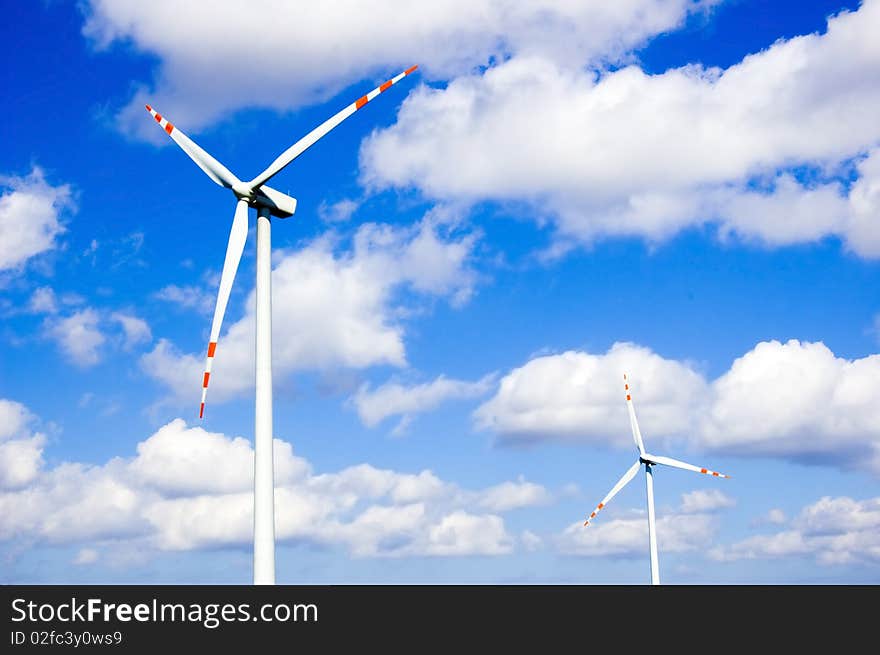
797 398
43 301
685 529
512 495
629 153
337 212
188 297
78 336
794 400
84 336
170 494
395 399
579 396
332 308
134 330
21 449
30 217
832 531
705 500
308 52
14 417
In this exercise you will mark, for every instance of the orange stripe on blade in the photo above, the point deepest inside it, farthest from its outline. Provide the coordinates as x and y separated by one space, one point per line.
601 505
410 69
205 382
148 107
212 346
385 86
703 471
202 410
627 397
158 117
169 128
360 102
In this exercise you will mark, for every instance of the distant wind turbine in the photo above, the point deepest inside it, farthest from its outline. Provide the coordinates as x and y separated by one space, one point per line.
648 461
268 202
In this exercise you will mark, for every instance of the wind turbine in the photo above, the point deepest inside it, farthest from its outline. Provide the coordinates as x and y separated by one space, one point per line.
648 461
268 202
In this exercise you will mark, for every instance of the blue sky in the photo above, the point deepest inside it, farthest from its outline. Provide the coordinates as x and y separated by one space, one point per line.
685 191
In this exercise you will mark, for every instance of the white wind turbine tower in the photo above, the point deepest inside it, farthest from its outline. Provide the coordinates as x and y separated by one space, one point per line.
648 461
268 202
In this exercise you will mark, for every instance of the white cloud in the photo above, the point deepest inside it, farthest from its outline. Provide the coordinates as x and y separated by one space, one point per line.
628 537
135 330
90 251
78 336
864 207
627 153
579 396
82 336
30 210
309 52
86 556
14 418
43 301
331 309
179 460
408 530
829 516
187 488
394 399
188 297
832 531
20 461
692 526
461 533
705 500
337 212
72 299
794 400
781 544
71 503
530 541
366 481
512 495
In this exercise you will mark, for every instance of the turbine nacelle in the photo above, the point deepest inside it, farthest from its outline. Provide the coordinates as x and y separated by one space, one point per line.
279 204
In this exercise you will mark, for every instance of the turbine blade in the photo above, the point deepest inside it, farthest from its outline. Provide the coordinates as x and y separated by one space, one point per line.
213 168
668 461
633 423
309 139
237 236
629 475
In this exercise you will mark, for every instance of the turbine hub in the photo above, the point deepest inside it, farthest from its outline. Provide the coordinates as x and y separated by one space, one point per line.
243 191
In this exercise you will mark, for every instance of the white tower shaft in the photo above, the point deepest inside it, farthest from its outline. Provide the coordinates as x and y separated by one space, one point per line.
264 483
652 528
